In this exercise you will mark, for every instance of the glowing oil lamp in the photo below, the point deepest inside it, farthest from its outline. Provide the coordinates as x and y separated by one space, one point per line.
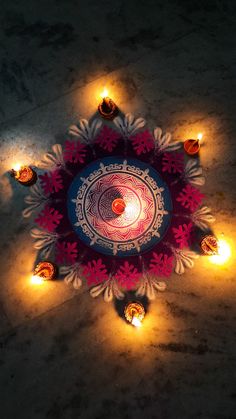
107 107
218 250
209 245
223 254
44 271
134 313
192 146
118 206
24 175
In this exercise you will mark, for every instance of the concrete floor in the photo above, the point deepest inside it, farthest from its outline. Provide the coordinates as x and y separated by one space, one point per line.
63 354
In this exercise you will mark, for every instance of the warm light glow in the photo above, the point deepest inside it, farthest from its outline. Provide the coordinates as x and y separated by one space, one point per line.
131 210
224 253
199 136
136 322
37 280
16 167
104 93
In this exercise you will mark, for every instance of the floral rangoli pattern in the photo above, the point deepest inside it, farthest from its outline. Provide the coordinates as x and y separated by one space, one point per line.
71 207
145 219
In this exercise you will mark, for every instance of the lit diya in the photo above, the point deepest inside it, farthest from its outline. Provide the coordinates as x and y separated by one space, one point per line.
192 146
44 271
134 313
107 107
209 245
118 206
24 175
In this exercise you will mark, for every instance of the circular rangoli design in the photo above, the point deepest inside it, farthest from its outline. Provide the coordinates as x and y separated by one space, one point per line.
118 207
147 206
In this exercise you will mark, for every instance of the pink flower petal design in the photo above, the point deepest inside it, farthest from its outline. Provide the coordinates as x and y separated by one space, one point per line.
95 272
190 198
66 252
107 138
49 218
74 151
161 265
127 276
142 142
173 162
51 182
182 234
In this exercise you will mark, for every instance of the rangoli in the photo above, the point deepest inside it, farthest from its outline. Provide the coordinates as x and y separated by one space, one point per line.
154 182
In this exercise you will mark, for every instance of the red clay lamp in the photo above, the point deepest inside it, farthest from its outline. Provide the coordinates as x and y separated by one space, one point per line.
218 249
24 175
118 206
44 271
192 146
209 245
107 107
134 313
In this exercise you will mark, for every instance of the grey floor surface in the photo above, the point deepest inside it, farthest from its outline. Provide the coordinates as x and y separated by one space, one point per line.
63 354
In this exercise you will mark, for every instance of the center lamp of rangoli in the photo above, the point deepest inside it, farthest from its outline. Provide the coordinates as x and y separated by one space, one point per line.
118 206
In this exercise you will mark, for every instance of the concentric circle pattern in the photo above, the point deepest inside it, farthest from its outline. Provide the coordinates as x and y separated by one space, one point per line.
147 213
118 207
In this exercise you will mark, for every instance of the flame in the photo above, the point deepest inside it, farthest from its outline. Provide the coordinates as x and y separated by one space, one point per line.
224 253
17 167
104 93
199 136
136 322
131 210
36 280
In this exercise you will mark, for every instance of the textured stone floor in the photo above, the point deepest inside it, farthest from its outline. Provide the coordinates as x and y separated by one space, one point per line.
63 354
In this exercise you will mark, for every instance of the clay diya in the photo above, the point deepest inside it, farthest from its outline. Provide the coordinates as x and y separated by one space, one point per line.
107 107
134 313
45 271
192 146
209 245
24 175
118 206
